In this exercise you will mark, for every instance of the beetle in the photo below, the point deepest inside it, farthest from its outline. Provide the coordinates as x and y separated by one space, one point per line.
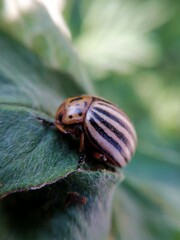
99 124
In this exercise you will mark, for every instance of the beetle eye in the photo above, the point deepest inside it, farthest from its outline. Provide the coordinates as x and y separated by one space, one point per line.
60 117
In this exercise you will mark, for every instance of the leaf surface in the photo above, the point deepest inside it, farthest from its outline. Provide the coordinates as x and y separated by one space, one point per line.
31 153
43 213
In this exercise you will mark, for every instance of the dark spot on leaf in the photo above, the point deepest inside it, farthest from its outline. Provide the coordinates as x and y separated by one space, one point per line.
74 198
71 116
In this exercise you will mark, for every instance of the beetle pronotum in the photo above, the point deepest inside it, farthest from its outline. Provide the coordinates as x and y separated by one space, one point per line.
99 124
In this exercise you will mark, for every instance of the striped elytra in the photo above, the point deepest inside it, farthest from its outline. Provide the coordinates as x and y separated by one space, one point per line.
99 124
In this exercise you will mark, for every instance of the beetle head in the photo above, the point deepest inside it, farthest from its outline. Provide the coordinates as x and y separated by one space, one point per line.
72 112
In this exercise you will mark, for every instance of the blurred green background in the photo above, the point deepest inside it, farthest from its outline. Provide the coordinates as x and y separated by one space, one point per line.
127 51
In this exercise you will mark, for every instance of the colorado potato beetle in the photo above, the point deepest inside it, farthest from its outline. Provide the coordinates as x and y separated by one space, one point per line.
100 125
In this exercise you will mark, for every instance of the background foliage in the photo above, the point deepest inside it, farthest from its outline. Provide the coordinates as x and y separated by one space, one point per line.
126 51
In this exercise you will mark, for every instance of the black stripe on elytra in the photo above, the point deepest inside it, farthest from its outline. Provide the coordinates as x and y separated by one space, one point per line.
119 134
116 119
113 107
75 99
94 142
108 138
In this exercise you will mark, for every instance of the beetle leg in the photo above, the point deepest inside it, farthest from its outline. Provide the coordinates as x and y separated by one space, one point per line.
82 155
81 146
82 158
45 122
52 124
60 127
100 156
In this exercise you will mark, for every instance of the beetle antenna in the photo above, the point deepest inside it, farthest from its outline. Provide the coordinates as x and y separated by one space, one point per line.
45 122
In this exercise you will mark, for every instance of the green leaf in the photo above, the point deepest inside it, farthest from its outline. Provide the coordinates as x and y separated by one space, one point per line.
43 214
25 81
31 154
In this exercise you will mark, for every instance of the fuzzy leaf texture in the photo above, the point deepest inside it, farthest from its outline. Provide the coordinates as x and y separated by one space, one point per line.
31 154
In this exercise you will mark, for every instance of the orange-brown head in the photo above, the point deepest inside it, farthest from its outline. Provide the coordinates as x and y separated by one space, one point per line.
71 112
